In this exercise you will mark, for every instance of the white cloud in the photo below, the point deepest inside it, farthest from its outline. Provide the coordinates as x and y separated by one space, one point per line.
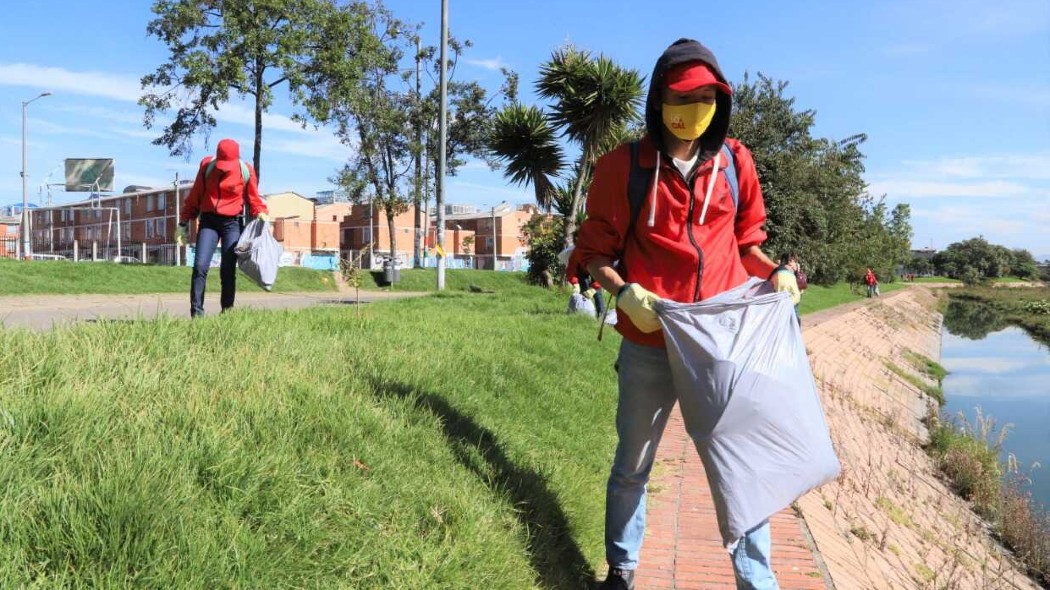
912 189
323 147
125 89
489 64
96 113
59 80
986 365
1021 166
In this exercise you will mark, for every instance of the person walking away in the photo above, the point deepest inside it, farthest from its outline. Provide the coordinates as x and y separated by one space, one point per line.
786 280
217 200
871 282
696 234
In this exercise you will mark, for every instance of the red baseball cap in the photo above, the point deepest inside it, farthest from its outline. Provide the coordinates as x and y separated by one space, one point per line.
692 75
227 156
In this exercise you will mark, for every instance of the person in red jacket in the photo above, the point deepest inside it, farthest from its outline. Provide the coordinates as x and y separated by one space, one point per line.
218 197
688 243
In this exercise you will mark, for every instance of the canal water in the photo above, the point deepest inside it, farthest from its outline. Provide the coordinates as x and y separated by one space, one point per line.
1004 372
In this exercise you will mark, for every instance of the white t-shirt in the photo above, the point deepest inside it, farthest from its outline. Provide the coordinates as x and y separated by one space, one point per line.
685 165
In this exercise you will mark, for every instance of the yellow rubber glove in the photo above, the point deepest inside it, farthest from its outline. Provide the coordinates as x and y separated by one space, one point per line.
180 234
637 303
263 217
589 293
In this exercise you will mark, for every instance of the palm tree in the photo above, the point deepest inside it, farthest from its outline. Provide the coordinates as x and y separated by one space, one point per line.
594 99
523 141
594 102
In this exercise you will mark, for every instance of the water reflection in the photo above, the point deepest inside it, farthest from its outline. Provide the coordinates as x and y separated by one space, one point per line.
1006 374
972 319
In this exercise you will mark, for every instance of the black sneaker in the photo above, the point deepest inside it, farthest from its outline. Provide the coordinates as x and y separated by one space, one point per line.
618 579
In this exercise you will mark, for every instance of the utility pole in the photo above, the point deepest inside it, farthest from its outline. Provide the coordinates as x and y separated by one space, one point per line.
493 237
421 223
178 248
443 140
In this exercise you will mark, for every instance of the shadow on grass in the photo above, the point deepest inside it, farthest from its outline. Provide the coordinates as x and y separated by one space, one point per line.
555 557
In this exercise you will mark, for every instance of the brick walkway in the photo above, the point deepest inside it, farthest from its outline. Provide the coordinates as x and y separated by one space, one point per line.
683 549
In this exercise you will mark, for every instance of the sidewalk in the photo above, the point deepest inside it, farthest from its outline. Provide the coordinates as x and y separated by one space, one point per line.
42 312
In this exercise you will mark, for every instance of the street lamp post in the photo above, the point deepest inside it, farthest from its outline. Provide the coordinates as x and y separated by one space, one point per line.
443 139
26 241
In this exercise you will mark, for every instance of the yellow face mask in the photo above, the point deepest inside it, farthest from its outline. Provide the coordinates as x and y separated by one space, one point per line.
688 121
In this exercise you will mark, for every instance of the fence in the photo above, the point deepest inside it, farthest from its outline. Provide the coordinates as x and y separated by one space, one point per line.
134 253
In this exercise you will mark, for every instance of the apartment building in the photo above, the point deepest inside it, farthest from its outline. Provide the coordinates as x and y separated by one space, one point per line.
145 220
140 223
499 238
308 240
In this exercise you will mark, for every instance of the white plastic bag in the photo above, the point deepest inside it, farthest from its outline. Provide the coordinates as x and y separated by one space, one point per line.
259 253
745 386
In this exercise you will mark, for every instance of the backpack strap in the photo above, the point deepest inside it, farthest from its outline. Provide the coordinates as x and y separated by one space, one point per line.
638 182
245 175
730 172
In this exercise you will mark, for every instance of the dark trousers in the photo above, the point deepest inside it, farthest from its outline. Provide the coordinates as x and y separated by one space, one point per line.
211 229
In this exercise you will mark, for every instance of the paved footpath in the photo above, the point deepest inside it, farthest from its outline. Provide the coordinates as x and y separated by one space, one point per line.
42 312
683 549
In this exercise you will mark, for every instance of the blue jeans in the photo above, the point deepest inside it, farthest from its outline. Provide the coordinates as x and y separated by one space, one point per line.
211 229
647 396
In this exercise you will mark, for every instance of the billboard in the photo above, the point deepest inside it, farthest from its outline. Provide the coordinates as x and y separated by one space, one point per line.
89 174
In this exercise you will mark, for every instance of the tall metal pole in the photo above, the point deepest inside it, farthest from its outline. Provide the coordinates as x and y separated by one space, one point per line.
493 237
442 141
178 248
421 222
27 248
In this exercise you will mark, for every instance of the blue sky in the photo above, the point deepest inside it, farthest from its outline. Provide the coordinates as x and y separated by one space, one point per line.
953 94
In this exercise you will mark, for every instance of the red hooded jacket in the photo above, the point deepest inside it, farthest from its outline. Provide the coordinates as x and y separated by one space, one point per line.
677 258
223 192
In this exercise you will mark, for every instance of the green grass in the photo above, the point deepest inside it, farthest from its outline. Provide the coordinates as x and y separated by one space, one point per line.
454 441
935 392
926 365
73 278
936 280
425 279
818 297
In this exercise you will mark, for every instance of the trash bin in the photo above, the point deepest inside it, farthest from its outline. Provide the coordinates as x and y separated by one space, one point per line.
391 274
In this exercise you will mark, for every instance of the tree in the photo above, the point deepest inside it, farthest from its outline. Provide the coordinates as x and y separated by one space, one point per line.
372 112
244 47
594 102
1023 266
816 200
470 114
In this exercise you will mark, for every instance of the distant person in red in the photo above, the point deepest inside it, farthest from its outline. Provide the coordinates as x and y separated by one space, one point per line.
223 186
872 282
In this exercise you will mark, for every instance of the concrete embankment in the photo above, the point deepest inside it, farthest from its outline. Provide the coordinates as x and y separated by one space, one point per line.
890 521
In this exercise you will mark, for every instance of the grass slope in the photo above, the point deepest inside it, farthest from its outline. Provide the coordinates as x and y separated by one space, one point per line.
63 277
818 297
454 441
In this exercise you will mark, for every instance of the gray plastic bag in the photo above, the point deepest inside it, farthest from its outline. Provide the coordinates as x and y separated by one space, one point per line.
580 304
259 253
743 379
